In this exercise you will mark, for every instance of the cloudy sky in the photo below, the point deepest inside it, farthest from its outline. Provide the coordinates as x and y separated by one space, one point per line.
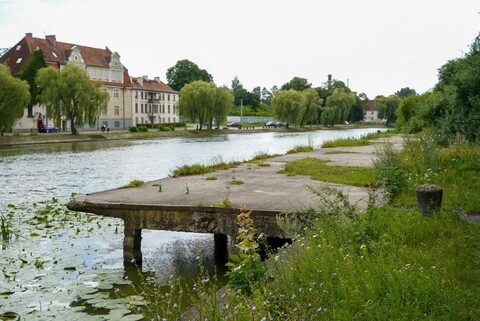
377 46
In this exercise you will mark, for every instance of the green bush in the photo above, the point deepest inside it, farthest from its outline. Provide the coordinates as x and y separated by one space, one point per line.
142 128
164 128
133 129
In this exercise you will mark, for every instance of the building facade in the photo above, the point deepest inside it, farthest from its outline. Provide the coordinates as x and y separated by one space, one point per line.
101 65
153 102
370 112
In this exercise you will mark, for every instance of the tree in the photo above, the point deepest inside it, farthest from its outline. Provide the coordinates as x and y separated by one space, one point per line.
288 106
246 98
35 62
405 92
357 110
236 84
197 101
185 72
223 104
313 103
297 83
14 97
338 106
70 93
387 108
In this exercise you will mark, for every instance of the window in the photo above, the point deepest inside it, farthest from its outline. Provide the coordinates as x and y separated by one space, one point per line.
174 109
136 120
18 48
104 111
141 106
116 92
54 54
169 109
19 60
168 97
163 108
136 94
141 94
136 107
155 109
169 120
174 97
142 121
116 124
116 110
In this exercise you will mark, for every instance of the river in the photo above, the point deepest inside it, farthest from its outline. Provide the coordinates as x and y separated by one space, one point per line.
33 173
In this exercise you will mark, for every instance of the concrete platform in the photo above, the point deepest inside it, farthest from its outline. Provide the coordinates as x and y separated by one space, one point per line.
263 189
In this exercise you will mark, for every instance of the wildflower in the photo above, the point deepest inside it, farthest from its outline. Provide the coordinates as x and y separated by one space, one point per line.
263 319
205 280
254 308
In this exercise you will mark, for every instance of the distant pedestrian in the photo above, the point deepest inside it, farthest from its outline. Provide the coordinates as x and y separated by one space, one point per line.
103 128
108 129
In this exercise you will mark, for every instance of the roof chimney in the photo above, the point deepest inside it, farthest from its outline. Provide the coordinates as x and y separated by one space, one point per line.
140 81
52 39
145 78
157 79
29 35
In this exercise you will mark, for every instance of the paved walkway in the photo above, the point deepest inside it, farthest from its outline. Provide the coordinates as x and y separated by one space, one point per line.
263 189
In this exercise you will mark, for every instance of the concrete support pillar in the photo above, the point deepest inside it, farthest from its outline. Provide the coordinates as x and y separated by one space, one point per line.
132 245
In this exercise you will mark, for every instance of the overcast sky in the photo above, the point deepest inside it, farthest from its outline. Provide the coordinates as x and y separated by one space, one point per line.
377 46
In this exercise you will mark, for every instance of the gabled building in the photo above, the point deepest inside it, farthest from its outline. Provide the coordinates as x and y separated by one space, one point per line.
101 65
370 112
153 102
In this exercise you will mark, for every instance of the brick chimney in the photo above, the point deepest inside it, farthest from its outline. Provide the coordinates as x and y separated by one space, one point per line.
52 39
140 81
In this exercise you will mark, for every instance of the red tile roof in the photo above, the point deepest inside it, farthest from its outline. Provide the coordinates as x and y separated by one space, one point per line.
56 53
152 85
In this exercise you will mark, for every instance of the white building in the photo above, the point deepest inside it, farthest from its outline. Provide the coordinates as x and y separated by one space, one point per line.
153 102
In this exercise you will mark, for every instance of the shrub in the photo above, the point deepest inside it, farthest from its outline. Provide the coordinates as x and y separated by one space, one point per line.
133 129
142 128
164 128
389 172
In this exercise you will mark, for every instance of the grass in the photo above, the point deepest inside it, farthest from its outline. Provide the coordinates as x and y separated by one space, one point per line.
236 181
320 170
300 149
198 169
134 183
365 140
346 142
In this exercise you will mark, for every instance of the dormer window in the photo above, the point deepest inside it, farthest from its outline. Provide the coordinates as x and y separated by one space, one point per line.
54 54
19 60
18 48
75 57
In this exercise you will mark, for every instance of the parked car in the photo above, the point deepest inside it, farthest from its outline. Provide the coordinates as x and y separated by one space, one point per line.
48 129
275 124
235 124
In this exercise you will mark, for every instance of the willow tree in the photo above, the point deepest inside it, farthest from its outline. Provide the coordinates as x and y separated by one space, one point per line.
70 93
14 97
197 100
338 107
288 106
313 103
223 104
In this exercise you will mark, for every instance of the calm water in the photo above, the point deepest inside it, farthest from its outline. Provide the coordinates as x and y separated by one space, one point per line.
36 173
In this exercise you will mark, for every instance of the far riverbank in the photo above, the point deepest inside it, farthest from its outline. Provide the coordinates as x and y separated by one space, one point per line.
84 136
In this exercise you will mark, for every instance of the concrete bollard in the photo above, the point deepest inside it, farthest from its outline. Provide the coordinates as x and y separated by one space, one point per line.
429 199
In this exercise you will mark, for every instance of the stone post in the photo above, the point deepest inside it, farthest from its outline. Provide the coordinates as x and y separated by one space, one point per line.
429 199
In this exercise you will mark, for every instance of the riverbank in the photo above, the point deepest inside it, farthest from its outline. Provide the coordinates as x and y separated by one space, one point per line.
85 136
